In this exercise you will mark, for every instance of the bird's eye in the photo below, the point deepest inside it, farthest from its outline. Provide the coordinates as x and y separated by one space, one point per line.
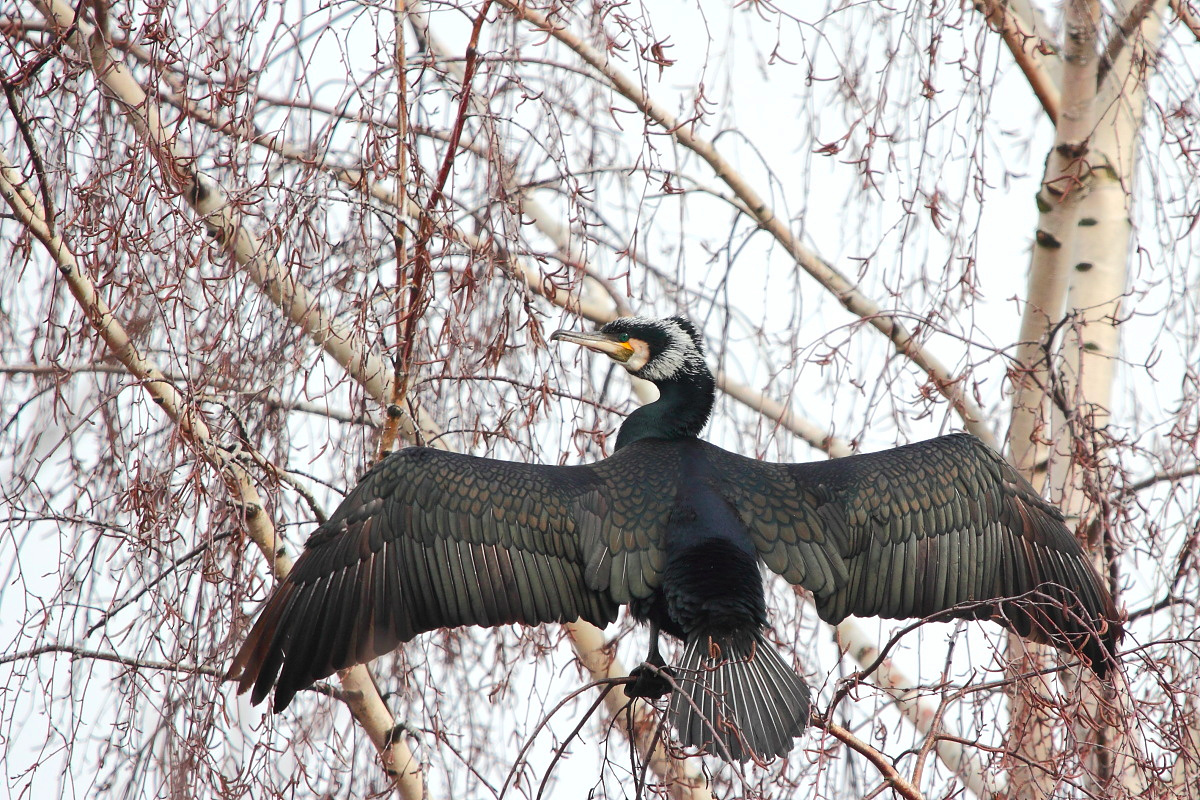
623 338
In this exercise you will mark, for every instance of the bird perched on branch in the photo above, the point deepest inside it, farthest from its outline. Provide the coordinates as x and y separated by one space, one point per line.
676 529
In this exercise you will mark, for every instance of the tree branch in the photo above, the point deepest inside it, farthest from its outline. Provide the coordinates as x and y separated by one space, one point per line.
892 778
116 658
35 153
1028 50
1185 14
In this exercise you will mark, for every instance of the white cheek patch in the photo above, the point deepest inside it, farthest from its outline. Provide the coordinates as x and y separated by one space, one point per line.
671 362
641 354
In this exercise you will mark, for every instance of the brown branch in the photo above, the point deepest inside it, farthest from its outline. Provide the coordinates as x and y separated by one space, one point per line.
402 364
422 266
35 152
1028 50
891 776
931 741
1185 15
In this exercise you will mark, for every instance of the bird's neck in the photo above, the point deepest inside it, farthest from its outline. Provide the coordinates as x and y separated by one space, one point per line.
680 411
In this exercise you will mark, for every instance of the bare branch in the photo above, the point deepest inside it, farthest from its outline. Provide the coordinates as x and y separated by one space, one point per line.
1172 476
116 658
1187 16
35 153
1028 50
892 778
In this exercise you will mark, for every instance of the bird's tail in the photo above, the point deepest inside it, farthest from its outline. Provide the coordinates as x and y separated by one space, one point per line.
737 698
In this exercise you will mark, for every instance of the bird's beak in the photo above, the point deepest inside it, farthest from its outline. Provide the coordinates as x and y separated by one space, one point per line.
600 342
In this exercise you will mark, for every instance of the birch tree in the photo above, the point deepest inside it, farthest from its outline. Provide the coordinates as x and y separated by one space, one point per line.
249 248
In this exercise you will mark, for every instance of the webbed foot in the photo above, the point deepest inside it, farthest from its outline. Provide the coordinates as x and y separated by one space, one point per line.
650 680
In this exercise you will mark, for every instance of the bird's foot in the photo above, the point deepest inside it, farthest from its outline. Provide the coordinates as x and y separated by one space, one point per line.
650 680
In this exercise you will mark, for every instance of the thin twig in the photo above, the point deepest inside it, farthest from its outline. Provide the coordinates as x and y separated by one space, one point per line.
35 153
1159 477
319 687
605 685
183 559
1166 602
116 658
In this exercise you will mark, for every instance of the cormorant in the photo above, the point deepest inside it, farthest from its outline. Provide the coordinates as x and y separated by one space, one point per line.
676 529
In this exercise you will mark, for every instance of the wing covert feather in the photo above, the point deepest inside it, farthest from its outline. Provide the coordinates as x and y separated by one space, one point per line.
623 519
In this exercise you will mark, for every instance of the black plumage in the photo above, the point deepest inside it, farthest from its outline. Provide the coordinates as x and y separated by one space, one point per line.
676 529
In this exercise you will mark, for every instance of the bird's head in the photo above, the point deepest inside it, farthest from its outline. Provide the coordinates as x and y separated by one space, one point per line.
658 350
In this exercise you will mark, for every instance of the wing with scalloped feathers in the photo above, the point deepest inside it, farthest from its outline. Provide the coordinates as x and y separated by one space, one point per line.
944 525
427 540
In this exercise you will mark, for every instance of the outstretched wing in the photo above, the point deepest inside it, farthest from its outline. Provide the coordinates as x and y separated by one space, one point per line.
944 525
426 540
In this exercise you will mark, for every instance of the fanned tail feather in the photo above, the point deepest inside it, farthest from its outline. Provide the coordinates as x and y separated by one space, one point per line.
737 699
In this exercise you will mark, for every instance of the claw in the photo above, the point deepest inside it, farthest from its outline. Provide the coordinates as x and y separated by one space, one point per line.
653 678
651 681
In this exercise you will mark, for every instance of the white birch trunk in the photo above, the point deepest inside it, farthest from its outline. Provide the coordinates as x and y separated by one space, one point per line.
1086 251
1030 736
1091 348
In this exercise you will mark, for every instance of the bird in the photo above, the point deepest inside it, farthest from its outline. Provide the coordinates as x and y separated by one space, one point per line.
683 533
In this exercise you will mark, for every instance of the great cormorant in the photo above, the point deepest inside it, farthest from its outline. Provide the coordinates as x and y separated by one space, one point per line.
676 529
